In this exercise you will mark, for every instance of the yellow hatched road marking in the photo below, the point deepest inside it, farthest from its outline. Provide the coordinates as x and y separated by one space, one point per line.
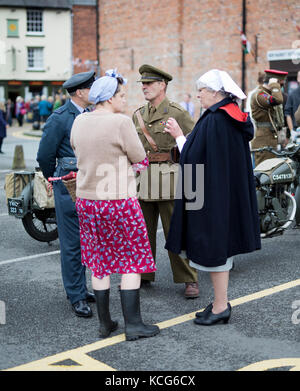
84 362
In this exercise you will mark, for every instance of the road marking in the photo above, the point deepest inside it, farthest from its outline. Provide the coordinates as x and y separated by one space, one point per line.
83 362
32 256
20 135
265 365
4 214
3 171
29 257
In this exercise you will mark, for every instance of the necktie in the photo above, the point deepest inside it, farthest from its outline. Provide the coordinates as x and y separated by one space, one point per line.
152 111
85 110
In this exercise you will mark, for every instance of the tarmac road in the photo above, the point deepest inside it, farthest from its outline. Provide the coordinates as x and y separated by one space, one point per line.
40 332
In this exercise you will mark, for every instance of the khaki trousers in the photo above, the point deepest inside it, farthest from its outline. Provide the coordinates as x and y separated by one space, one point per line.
182 271
263 138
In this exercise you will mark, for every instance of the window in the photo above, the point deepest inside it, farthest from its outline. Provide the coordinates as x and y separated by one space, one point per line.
34 21
35 58
12 27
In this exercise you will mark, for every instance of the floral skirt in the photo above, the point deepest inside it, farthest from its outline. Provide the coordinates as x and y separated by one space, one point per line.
113 237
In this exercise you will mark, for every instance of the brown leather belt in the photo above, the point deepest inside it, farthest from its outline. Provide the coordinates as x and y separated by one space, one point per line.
159 157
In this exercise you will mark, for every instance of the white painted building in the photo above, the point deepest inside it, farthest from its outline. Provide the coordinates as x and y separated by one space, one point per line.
35 47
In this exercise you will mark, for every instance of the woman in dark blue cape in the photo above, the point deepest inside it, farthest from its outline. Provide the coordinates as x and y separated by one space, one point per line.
216 217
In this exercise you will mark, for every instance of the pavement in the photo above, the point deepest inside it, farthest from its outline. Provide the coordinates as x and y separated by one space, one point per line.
25 136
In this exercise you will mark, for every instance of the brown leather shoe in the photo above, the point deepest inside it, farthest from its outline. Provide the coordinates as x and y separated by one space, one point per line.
191 290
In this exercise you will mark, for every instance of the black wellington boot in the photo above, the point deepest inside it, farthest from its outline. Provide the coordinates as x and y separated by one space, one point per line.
106 324
134 326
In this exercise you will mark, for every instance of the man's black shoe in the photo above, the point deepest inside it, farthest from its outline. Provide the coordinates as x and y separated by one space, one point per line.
90 297
82 309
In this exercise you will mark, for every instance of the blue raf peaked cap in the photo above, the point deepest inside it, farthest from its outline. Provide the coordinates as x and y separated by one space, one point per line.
79 81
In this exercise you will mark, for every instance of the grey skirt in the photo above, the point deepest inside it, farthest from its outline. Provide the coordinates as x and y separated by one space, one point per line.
222 268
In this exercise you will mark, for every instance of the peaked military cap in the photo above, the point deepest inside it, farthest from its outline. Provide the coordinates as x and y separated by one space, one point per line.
280 75
150 73
79 81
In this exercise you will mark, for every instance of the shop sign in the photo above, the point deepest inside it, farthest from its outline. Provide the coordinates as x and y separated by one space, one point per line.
14 83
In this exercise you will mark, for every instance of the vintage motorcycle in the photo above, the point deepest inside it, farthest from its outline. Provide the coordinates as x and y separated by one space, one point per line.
278 190
39 222
33 204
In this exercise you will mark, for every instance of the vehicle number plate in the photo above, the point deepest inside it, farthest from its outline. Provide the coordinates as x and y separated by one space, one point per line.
15 207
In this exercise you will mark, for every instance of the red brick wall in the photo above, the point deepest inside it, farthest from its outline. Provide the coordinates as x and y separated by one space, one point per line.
137 32
276 29
84 38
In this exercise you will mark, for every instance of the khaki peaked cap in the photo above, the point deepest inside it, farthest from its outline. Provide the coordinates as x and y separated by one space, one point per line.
149 73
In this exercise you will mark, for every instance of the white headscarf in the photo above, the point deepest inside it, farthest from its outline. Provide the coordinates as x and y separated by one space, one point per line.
217 80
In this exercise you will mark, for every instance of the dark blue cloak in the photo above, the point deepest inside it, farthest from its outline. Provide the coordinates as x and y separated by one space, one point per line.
228 222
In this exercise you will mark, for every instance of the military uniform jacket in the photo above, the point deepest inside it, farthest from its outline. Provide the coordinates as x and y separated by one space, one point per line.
265 99
55 141
263 102
158 182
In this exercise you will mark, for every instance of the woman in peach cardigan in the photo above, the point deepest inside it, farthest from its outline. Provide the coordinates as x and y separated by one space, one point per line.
112 228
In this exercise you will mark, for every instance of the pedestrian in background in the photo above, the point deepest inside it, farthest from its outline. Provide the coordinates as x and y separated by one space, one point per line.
291 107
45 108
20 110
51 103
226 223
36 112
188 105
9 107
113 232
3 125
150 120
57 102
56 158
28 114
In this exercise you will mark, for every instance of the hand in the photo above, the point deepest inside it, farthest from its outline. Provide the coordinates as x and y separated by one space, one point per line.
285 143
173 128
273 80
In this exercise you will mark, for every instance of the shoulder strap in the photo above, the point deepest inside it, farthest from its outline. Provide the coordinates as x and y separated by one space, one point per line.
145 131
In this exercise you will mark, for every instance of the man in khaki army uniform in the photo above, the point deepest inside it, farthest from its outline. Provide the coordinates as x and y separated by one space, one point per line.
156 187
267 112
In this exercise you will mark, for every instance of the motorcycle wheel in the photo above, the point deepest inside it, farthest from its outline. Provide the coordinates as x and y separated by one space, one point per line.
38 225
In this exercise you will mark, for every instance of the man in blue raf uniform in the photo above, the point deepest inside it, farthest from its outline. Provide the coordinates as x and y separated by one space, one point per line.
56 158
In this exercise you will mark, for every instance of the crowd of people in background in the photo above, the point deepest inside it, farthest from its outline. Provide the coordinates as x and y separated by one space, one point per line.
40 107
35 110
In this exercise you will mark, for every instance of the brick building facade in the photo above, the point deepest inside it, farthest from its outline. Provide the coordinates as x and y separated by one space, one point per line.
84 47
189 37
